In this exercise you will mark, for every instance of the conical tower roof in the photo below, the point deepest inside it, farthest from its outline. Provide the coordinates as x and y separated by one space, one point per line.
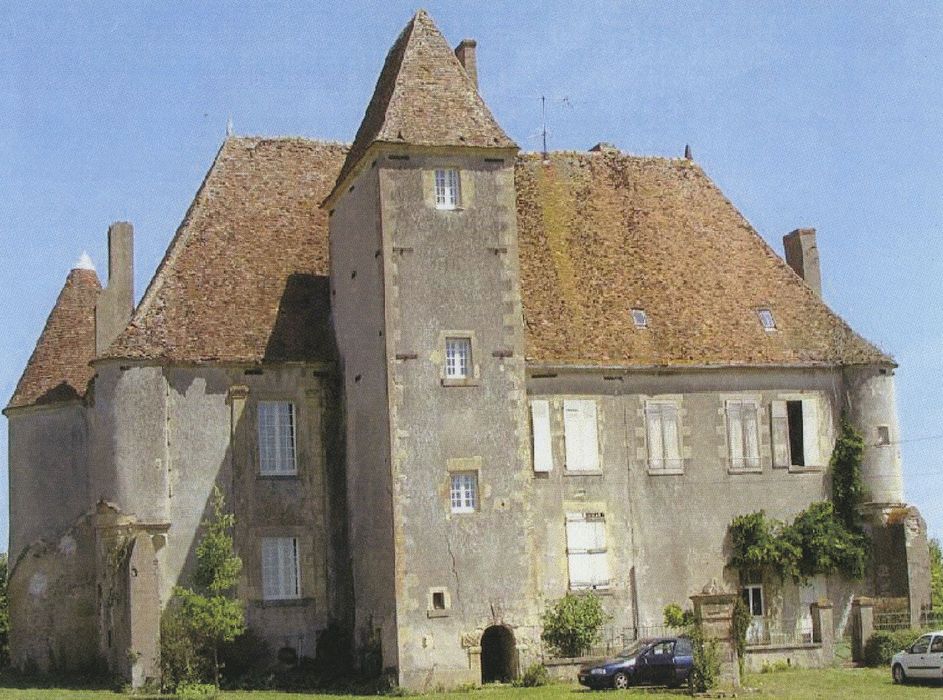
58 369
424 97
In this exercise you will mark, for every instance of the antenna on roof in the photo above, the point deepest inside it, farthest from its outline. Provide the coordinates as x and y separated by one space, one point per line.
229 126
687 152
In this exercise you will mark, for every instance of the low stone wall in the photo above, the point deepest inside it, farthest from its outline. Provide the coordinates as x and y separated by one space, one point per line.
798 655
566 669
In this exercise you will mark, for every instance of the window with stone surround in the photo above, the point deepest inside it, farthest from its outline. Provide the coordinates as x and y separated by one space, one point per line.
458 358
281 573
447 194
276 421
663 432
586 552
463 493
743 434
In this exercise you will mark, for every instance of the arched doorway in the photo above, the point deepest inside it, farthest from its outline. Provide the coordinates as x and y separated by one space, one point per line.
498 655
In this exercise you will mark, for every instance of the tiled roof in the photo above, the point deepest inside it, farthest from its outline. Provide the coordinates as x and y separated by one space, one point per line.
245 278
600 233
603 233
58 369
424 97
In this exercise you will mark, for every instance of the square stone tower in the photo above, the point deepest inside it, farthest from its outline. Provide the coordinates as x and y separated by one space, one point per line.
426 304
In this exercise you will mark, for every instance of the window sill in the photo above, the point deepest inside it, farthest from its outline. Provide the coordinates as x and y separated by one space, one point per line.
277 477
438 208
796 469
665 472
467 381
283 603
601 591
744 470
437 613
582 472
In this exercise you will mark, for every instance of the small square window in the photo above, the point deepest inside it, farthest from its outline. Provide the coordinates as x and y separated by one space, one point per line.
457 358
464 492
446 189
766 318
884 435
640 318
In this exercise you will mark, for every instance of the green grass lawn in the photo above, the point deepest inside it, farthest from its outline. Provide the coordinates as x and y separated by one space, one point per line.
850 684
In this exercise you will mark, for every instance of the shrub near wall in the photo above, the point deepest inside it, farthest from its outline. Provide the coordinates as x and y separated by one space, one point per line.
883 645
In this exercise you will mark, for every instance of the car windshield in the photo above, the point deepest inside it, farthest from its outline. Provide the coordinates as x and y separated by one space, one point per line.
634 648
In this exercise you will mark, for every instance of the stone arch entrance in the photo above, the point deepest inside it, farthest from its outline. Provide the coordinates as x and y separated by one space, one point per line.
498 655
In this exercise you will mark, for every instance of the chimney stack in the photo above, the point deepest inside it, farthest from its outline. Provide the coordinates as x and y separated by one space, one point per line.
802 255
465 52
116 301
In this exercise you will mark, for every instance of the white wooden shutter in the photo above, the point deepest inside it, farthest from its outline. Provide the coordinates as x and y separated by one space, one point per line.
751 434
580 537
656 452
779 422
672 436
810 432
735 433
600 557
580 435
543 448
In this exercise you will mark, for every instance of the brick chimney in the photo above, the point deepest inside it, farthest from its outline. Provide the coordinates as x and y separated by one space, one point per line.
116 301
802 255
465 52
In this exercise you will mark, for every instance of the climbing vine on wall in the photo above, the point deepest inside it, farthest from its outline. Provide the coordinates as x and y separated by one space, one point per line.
825 538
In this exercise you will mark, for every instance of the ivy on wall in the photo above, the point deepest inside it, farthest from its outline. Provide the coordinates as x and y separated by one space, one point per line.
826 538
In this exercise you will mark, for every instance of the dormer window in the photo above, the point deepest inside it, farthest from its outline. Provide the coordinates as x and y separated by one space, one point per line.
640 318
447 195
766 318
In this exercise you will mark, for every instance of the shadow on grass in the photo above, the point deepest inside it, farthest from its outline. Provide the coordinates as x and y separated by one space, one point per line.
86 680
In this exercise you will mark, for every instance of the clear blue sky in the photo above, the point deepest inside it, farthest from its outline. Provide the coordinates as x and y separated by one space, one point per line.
806 114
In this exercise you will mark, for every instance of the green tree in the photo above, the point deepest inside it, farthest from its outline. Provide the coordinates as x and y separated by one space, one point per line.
208 615
847 487
936 575
572 625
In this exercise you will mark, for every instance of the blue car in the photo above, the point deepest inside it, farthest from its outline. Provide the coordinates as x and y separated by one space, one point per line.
662 661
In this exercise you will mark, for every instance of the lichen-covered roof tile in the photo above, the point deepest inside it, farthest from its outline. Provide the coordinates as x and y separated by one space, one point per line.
59 369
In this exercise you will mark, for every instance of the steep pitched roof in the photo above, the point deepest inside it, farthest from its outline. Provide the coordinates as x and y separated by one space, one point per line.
424 97
603 233
600 233
245 277
58 369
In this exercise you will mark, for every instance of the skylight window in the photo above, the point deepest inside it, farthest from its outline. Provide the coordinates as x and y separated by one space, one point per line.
766 318
640 318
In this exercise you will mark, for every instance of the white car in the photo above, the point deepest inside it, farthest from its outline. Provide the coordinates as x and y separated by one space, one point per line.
924 659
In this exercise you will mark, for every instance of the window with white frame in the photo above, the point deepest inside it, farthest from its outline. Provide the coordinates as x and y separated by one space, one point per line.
464 492
752 595
664 436
766 319
277 437
458 358
281 574
795 433
640 318
581 435
743 434
447 194
586 554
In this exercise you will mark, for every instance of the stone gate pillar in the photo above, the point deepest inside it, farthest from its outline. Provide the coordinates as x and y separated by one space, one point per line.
714 608
862 626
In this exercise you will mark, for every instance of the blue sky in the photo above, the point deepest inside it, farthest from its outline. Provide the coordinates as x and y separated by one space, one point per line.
806 114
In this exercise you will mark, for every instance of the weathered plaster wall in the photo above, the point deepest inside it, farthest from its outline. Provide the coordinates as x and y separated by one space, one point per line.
455 273
48 465
357 305
666 532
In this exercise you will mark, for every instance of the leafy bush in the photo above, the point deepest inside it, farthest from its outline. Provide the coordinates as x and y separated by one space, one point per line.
741 623
676 617
535 676
760 544
847 486
777 667
936 575
571 626
706 670
883 645
196 691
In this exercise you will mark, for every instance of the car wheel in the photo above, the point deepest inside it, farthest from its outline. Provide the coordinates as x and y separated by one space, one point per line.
898 673
620 681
